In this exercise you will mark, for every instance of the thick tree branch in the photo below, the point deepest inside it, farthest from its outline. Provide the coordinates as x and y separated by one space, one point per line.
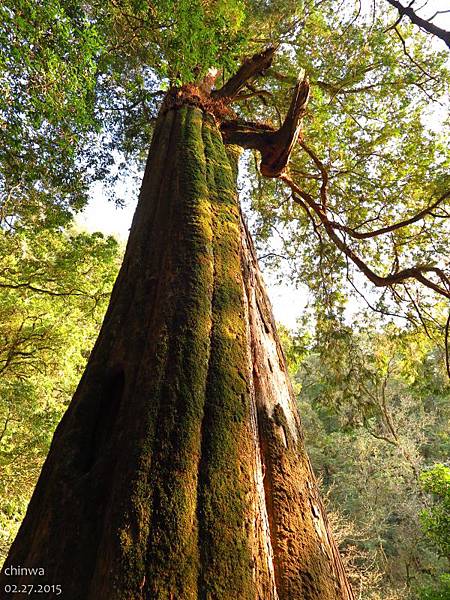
424 24
252 67
417 272
275 146
383 230
366 234
253 136
276 157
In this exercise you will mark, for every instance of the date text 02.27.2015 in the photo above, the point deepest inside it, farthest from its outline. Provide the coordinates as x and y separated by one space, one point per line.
28 589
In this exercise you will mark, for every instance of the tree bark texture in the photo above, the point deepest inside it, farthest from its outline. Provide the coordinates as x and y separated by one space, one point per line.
178 471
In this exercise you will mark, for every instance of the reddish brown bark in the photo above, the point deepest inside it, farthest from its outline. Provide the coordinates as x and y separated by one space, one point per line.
179 469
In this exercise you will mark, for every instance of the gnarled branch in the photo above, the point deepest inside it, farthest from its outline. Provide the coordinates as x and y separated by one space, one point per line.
275 146
417 272
365 235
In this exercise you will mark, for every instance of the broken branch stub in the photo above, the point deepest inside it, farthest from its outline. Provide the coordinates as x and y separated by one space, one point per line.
256 65
275 146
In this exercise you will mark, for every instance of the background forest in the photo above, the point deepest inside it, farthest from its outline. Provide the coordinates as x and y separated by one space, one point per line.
80 88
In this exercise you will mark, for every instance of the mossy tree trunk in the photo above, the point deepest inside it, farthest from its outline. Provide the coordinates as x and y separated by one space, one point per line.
179 471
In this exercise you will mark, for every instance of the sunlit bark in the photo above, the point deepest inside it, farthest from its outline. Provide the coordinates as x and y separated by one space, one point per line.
179 469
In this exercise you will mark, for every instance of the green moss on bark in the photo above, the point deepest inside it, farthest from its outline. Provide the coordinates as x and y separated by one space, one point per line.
155 484
225 474
173 560
194 465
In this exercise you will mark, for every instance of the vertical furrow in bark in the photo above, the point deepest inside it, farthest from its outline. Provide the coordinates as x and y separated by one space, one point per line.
172 559
307 564
142 271
264 573
142 346
179 471
65 518
226 467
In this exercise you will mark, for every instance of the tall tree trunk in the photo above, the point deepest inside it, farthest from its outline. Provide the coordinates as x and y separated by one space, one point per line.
179 469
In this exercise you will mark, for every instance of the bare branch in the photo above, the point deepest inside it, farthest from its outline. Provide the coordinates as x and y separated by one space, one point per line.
254 94
417 272
323 172
33 288
438 12
424 24
405 51
383 230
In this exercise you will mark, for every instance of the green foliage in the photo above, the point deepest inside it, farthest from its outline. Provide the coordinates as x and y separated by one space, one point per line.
436 520
180 39
48 54
376 120
81 84
150 47
375 407
54 287
439 590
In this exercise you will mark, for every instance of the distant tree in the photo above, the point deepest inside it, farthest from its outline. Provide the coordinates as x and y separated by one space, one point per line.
436 520
375 405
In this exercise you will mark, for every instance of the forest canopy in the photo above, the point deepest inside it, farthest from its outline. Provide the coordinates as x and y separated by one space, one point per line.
360 217
83 83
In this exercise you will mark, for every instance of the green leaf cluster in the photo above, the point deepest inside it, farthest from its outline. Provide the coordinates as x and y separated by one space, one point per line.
48 62
377 120
375 406
436 520
54 288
